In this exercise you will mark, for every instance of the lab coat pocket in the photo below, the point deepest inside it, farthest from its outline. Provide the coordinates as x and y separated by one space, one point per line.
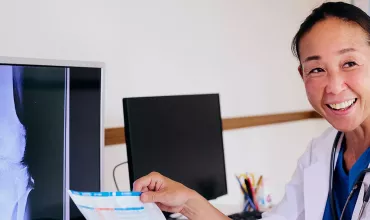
316 187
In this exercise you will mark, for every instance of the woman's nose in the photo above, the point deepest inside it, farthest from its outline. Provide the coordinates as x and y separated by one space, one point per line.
335 84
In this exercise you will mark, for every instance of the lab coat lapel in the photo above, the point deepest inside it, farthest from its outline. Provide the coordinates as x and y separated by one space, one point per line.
316 180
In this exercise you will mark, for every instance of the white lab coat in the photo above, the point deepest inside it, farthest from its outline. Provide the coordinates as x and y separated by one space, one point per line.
307 192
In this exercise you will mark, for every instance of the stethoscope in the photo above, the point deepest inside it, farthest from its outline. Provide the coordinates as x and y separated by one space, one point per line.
357 184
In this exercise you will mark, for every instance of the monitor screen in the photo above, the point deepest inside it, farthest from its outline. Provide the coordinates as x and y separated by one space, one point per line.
50 138
179 137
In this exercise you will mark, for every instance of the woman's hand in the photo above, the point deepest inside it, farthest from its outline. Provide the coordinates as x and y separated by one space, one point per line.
171 196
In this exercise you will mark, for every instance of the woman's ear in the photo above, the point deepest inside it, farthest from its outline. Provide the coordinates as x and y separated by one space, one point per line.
300 70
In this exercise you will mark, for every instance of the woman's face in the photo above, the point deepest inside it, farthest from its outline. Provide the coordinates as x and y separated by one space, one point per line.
335 67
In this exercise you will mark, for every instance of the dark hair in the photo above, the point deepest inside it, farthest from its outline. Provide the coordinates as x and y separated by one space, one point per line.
341 10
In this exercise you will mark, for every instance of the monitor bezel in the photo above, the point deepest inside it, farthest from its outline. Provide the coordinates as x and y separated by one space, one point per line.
69 63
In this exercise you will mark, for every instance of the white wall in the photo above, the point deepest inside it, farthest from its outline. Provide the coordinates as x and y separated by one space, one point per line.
240 49
269 150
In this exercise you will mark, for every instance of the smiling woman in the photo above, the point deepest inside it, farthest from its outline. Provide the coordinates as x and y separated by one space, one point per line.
337 78
332 47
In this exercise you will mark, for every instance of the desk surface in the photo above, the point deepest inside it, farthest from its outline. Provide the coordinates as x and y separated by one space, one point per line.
226 209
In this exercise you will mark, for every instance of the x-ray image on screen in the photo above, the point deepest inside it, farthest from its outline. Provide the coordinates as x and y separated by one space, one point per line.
50 137
16 182
32 141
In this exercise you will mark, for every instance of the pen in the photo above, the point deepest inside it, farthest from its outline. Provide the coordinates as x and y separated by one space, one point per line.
251 192
249 176
241 186
259 183
247 197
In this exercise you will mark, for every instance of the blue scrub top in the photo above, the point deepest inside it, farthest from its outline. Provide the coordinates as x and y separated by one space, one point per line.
343 182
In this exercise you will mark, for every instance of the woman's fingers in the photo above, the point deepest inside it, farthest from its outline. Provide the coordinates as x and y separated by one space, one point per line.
152 185
149 182
145 189
151 196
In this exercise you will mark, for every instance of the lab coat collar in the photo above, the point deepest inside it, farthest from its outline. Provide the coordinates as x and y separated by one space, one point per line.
316 181
316 178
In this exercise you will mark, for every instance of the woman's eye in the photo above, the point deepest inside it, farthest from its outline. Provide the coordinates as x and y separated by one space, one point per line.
350 64
316 70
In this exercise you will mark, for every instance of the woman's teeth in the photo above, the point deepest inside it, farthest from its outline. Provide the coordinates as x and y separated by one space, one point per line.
342 105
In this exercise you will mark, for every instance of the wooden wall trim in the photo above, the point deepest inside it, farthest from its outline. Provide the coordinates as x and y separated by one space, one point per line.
115 136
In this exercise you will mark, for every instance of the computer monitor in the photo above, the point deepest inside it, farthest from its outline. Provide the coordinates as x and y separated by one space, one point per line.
178 136
51 136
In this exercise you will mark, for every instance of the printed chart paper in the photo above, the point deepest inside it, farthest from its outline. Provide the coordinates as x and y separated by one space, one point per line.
115 206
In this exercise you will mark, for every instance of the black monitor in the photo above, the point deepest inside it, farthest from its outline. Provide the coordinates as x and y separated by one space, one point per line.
51 136
178 136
